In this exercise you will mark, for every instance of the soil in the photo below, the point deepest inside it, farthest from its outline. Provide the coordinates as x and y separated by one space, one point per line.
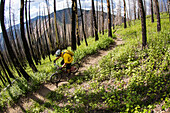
40 95
26 102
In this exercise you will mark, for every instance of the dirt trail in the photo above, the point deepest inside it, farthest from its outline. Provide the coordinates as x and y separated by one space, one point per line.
40 95
94 59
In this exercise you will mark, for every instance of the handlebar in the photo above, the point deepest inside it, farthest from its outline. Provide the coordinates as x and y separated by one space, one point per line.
58 68
56 65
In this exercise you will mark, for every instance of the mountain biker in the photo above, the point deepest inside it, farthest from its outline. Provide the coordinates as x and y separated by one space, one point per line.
67 59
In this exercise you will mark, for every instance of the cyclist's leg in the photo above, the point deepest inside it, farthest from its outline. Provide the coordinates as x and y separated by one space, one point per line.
68 67
62 62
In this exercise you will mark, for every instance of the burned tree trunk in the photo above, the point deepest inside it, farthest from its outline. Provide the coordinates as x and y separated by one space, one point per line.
49 29
95 24
9 48
143 23
102 18
109 19
25 44
73 36
46 42
83 27
158 16
77 25
28 31
113 15
152 17
55 26
4 64
125 26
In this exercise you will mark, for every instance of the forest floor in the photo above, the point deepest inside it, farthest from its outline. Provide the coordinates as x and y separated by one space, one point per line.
40 95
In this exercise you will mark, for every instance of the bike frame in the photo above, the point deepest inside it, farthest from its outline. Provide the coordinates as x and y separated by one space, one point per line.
63 69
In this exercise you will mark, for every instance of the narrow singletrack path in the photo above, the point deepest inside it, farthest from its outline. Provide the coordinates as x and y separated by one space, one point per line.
40 95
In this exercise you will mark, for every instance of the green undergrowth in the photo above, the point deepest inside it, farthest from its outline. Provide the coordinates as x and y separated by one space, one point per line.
21 87
147 71
128 79
103 43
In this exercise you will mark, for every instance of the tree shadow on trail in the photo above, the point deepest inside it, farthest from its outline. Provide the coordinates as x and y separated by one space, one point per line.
119 100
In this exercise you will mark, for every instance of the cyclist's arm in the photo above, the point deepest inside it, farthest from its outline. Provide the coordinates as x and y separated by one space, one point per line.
56 59
63 65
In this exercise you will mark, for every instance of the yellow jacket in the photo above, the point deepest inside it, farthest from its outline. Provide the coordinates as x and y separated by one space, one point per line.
67 57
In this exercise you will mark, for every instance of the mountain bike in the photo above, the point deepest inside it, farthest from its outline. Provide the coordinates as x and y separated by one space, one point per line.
56 77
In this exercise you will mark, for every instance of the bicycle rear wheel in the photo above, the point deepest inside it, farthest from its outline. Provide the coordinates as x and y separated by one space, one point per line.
75 67
55 77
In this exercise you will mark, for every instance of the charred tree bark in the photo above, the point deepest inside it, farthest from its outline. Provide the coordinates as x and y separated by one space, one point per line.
73 35
9 48
83 26
125 26
64 31
6 75
49 29
28 32
158 16
97 15
134 6
55 26
113 15
109 19
77 25
32 37
37 43
143 23
4 64
130 16
2 79
92 24
95 24
21 55
102 18
47 38
25 44
152 17
40 37
11 31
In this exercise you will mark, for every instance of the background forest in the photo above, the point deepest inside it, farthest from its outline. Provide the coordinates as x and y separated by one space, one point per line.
133 77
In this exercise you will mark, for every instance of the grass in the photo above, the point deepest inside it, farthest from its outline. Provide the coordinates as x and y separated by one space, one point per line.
128 79
21 87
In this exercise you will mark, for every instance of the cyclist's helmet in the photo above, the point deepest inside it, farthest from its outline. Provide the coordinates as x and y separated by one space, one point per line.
58 53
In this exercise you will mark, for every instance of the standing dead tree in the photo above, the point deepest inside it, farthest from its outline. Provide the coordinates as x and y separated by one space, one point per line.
109 19
102 18
55 26
152 16
113 15
28 32
134 9
125 26
77 25
143 23
13 58
95 24
25 43
158 16
83 26
73 35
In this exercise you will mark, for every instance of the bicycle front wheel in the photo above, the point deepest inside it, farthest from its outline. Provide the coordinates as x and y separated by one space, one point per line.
55 78
75 67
